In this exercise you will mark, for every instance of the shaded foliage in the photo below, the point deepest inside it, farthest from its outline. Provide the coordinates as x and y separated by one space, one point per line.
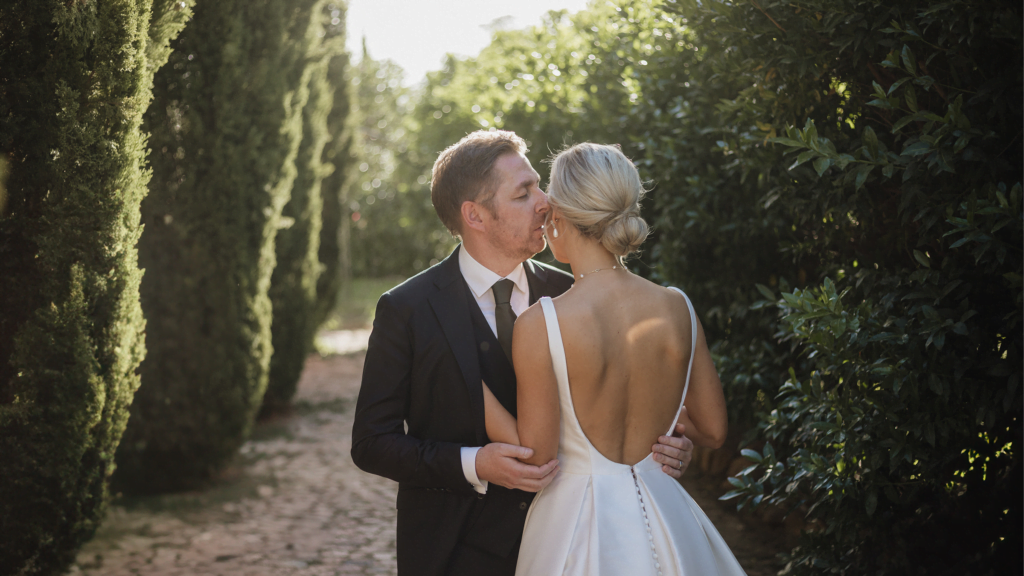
863 159
226 127
74 82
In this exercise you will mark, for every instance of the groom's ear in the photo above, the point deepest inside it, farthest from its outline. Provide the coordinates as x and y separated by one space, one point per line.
473 216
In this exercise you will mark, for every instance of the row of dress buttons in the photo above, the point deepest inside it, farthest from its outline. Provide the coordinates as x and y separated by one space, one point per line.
647 522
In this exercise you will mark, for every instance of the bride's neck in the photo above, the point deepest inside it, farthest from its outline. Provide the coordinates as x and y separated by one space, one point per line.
588 256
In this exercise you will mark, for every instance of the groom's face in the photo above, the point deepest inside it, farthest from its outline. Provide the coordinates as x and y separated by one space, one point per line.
518 208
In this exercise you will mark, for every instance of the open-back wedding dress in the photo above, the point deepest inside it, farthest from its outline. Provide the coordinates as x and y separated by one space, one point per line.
603 518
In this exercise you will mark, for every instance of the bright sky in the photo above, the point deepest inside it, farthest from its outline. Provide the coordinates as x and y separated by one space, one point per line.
417 34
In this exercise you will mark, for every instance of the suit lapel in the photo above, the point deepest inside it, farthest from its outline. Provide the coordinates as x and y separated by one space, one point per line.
451 307
537 279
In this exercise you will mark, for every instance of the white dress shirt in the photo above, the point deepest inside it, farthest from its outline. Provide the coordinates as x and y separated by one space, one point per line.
480 280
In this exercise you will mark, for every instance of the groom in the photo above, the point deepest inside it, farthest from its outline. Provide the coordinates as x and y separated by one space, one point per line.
462 501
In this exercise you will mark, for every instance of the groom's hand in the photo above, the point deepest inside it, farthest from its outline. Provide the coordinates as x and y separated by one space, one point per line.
499 463
674 452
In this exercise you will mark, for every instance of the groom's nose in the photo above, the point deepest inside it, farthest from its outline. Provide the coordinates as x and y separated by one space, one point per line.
542 203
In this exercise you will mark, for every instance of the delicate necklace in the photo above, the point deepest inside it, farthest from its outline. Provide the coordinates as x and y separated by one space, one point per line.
597 270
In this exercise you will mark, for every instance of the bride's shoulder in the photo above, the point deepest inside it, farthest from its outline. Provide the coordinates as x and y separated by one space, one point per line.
530 333
532 319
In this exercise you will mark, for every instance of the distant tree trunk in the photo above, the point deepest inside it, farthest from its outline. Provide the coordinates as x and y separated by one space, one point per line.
75 79
293 287
226 124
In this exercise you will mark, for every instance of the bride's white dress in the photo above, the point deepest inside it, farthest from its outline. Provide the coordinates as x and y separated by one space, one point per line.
600 517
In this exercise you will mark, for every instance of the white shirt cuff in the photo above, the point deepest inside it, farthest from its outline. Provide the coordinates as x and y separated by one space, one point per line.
469 469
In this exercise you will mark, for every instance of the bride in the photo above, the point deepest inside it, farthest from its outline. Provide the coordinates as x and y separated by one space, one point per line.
602 371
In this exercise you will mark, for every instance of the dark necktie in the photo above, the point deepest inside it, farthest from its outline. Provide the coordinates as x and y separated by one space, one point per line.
504 317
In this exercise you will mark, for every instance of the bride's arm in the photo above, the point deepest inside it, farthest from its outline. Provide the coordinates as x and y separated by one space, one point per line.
536 387
500 424
704 415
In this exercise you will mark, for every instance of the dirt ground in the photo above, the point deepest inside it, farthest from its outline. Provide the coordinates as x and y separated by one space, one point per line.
295 504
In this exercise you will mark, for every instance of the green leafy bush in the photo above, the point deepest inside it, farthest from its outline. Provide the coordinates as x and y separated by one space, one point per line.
74 82
390 223
226 127
862 158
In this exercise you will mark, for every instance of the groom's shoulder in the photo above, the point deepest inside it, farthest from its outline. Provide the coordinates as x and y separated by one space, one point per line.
555 277
415 289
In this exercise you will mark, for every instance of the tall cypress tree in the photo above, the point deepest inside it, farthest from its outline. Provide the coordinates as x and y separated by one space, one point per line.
226 126
74 81
338 154
293 287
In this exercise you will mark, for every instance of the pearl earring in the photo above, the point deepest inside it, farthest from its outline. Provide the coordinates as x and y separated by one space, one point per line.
554 232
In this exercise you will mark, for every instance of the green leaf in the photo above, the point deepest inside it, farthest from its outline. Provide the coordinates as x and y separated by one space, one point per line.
736 482
897 84
961 143
908 60
810 132
917 149
803 157
765 291
911 97
870 139
787 142
922 259
871 502
821 165
862 175
752 455
881 103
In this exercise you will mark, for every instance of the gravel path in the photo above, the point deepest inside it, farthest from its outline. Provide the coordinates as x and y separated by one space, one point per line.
295 504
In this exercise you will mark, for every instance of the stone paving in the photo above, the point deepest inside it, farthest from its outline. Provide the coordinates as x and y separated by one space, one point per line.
295 504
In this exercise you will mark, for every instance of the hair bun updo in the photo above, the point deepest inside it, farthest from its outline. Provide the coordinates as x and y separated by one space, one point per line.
598 190
624 234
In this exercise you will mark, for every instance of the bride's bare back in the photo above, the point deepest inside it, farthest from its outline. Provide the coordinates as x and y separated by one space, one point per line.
627 347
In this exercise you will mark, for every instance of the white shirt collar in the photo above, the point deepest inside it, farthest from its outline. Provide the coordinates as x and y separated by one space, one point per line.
480 278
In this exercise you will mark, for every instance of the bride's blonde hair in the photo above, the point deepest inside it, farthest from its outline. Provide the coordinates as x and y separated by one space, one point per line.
598 190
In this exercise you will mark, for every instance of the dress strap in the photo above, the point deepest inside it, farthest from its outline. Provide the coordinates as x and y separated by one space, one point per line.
693 350
557 350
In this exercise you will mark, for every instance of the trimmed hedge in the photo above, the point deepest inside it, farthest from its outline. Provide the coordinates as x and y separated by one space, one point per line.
226 127
293 286
74 82
333 251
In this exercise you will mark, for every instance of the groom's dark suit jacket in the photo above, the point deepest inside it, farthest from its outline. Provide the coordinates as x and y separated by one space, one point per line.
421 401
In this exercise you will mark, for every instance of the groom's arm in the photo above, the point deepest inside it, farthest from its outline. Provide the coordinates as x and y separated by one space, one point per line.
379 442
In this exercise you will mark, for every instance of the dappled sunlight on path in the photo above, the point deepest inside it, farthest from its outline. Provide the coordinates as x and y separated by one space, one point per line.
293 504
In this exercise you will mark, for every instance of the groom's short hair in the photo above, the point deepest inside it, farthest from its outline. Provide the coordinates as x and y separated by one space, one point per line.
465 172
